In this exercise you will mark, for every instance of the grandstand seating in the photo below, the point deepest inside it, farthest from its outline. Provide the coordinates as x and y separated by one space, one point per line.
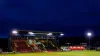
22 46
36 48
42 47
49 45
33 45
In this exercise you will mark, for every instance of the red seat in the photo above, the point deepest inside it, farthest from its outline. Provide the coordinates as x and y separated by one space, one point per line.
23 47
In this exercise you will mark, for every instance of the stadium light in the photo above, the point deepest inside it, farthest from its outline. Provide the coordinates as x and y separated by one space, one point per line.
49 34
89 34
61 34
31 33
14 32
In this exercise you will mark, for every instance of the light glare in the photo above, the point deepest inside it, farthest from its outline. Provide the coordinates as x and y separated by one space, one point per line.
89 34
14 31
31 33
49 34
62 34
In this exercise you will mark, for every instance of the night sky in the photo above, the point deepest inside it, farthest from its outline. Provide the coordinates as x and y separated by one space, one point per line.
73 17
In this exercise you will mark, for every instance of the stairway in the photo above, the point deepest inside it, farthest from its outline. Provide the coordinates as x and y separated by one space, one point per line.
35 47
54 45
49 46
15 45
44 47
29 45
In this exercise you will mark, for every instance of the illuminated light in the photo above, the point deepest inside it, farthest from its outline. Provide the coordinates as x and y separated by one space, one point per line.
89 34
31 33
49 34
62 34
14 31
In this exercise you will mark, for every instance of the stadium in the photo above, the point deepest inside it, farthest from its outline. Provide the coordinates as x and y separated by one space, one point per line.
44 43
50 28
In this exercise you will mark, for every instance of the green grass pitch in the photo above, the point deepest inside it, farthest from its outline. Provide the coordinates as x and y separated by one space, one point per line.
70 53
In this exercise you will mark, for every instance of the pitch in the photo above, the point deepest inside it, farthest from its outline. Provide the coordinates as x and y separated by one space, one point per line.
71 53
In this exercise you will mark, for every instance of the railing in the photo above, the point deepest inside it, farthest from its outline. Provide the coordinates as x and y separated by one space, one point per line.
15 44
43 46
32 49
52 44
29 45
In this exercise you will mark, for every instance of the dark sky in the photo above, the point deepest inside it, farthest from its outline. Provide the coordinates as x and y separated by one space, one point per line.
70 16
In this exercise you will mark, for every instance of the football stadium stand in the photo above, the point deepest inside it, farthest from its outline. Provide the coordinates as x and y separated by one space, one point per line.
34 41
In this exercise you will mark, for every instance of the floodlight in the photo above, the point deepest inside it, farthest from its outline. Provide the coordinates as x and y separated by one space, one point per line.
61 34
14 31
89 34
31 33
49 34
